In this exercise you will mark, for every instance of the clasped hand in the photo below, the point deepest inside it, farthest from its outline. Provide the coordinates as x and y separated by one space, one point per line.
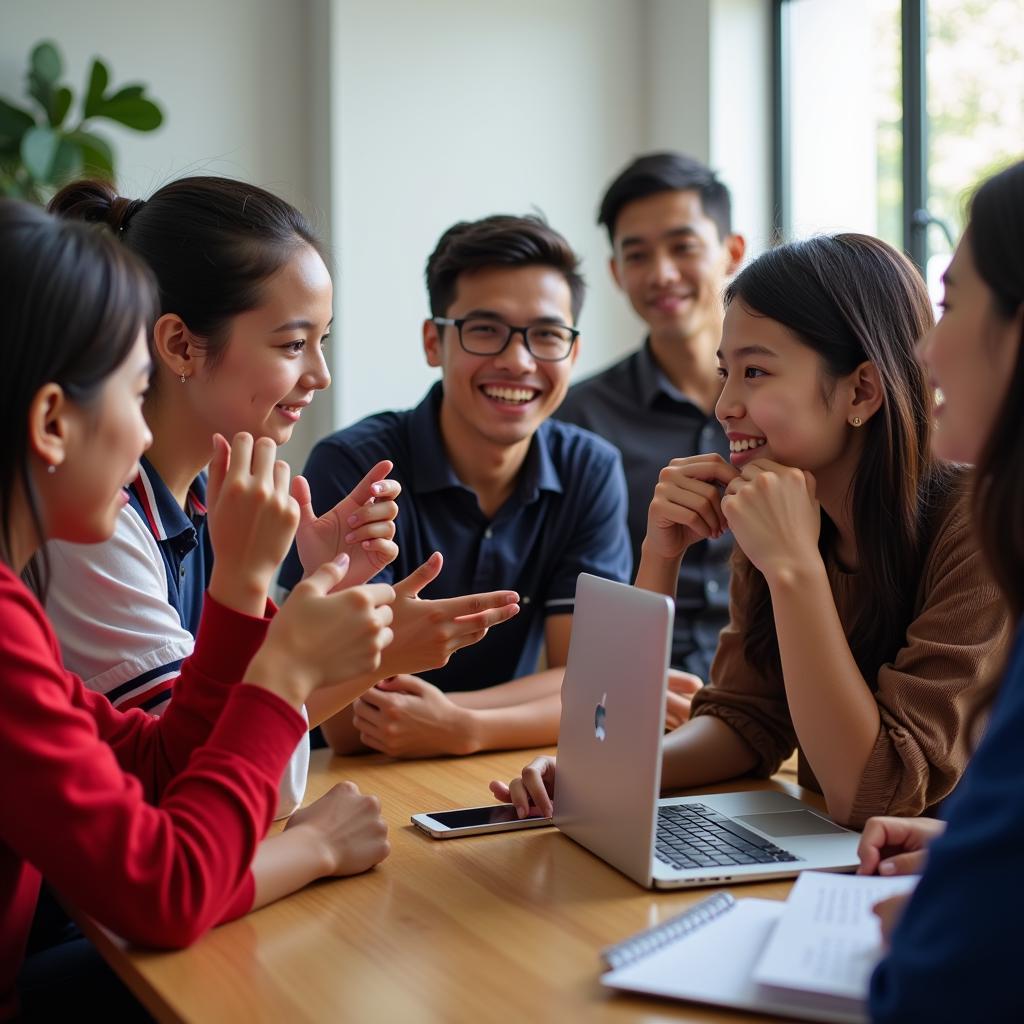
771 510
774 515
405 716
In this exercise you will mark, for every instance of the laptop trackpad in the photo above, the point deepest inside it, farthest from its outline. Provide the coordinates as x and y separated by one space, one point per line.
790 823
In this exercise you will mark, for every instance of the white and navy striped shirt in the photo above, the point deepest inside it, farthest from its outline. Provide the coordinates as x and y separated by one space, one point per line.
126 611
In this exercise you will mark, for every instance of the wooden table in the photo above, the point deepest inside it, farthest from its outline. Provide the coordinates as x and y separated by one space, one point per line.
504 927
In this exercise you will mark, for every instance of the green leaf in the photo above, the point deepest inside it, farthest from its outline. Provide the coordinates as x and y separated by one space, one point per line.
142 115
14 122
98 79
60 106
97 156
38 151
67 162
41 90
46 62
129 92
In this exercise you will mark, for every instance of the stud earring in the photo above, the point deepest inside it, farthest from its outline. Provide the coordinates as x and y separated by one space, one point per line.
856 421
51 469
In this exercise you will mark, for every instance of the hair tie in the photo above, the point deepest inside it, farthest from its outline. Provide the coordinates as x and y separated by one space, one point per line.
130 207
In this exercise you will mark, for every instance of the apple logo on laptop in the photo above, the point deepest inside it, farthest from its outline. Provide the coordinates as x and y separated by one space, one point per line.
599 717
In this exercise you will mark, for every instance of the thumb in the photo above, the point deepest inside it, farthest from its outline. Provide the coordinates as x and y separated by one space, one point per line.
419 578
903 864
327 577
402 684
300 492
218 468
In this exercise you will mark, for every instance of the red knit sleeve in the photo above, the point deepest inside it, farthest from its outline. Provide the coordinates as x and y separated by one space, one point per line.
73 804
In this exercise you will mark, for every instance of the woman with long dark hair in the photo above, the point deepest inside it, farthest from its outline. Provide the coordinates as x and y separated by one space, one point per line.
862 622
955 951
150 825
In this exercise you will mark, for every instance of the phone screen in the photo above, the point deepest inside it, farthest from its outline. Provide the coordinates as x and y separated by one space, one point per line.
470 817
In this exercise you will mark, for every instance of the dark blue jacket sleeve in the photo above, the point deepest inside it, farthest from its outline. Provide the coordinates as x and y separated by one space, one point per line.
332 471
957 950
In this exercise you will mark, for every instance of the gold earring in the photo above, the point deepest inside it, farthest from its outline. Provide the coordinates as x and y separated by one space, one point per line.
856 421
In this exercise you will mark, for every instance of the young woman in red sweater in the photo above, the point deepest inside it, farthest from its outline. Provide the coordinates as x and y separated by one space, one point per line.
149 825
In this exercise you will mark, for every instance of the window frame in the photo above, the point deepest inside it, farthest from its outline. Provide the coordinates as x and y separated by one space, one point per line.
913 43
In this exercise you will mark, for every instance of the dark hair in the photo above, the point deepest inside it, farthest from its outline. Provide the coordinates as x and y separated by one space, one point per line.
72 302
667 172
995 235
499 241
852 299
212 243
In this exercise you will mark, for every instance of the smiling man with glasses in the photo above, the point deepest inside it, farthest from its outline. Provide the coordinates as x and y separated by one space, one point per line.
511 499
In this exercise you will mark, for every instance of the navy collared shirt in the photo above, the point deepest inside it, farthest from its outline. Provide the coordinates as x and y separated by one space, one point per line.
181 536
635 406
565 516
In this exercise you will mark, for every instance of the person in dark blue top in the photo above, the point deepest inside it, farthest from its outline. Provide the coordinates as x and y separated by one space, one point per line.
955 948
509 498
669 222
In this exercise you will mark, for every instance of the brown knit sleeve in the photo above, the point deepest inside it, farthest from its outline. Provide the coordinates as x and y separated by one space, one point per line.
928 694
744 698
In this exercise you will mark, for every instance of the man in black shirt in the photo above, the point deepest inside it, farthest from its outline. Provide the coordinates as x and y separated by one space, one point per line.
673 249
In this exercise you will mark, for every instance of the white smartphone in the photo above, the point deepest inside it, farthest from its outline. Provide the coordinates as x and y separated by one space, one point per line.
474 821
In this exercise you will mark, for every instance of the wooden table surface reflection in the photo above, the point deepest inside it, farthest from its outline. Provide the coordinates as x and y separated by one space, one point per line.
504 927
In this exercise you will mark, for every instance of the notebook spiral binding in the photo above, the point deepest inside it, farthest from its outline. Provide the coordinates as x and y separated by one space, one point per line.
646 942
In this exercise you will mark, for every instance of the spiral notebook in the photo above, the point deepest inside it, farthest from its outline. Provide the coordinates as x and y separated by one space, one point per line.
809 958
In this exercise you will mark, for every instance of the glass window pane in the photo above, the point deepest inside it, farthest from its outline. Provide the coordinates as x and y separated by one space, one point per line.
975 68
846 111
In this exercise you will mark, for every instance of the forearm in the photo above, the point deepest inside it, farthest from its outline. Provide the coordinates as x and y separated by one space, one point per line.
239 591
326 704
530 724
704 750
833 710
657 574
285 863
341 734
516 691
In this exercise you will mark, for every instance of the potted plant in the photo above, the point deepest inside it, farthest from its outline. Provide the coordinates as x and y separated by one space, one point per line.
41 148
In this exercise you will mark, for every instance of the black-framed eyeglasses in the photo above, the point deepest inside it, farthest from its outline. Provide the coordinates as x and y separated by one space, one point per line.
479 336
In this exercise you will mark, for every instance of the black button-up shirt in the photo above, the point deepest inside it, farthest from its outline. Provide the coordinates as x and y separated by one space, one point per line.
635 406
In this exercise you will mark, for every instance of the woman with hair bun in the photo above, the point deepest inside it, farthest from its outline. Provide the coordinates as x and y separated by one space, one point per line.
245 309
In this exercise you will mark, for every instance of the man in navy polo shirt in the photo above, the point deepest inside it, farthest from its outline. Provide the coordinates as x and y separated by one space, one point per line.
511 499
668 219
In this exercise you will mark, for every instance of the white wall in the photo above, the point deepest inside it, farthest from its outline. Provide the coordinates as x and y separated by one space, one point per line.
386 121
228 73
452 110
232 77
739 113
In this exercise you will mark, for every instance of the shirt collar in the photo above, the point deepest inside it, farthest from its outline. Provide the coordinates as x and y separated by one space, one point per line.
652 379
164 516
431 470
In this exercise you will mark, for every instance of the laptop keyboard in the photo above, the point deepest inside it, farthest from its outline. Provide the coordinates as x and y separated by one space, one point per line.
695 836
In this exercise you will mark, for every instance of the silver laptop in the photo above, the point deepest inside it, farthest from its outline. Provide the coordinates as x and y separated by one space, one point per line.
609 765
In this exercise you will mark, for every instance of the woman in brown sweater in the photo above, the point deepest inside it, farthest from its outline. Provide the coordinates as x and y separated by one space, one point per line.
862 619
